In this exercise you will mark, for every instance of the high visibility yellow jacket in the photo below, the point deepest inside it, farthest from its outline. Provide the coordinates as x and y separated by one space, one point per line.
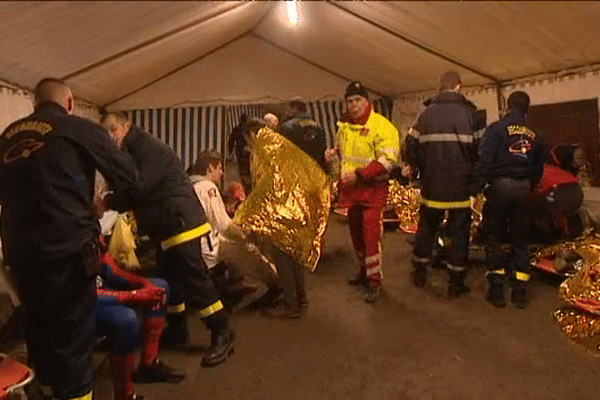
371 150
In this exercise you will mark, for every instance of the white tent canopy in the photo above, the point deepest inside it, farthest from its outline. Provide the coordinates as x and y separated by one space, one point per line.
151 54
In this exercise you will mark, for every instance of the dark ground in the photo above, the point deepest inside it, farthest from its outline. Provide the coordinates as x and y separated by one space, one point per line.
413 344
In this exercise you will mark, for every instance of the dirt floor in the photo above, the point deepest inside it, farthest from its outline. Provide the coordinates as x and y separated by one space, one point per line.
412 344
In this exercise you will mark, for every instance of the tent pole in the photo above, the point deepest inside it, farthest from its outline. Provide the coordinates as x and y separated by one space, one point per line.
226 110
499 98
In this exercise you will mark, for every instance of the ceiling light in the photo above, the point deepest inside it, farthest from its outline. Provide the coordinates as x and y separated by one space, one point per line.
292 11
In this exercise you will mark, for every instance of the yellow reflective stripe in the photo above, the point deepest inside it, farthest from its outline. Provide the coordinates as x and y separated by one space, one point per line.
522 276
185 236
84 397
498 271
210 310
176 308
446 204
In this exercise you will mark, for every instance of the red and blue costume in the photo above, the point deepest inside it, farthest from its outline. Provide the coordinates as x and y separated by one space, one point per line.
120 297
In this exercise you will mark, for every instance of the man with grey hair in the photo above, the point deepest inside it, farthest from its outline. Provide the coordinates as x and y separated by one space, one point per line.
50 233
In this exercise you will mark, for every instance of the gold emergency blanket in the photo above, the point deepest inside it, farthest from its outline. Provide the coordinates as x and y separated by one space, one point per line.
406 201
290 200
583 327
122 242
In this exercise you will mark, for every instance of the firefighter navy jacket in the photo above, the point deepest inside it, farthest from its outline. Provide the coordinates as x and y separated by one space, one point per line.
167 204
47 170
509 149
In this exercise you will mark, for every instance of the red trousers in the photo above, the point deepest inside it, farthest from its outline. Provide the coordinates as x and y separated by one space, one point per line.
366 230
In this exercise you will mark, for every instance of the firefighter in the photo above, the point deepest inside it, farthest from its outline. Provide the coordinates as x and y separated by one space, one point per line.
170 213
511 162
442 147
368 147
50 233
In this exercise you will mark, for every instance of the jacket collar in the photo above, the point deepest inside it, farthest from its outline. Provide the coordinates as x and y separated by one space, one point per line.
131 136
198 178
449 97
50 107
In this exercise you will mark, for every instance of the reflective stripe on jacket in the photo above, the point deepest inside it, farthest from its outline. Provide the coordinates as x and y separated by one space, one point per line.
359 145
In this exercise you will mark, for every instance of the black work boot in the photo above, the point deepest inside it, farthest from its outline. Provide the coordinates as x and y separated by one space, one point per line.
359 279
221 346
518 296
158 372
495 295
419 273
456 284
372 294
221 339
176 333
283 311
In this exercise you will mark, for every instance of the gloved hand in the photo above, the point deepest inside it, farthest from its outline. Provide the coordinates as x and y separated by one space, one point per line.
148 296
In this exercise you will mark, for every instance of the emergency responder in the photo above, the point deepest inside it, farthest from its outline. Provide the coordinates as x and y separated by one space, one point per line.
368 147
441 144
234 288
511 161
169 212
50 233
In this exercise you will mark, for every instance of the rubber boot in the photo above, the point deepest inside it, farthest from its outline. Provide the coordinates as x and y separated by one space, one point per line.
221 339
495 294
419 274
360 279
456 282
176 334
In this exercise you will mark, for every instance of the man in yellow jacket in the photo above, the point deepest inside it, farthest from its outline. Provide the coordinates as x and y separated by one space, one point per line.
368 147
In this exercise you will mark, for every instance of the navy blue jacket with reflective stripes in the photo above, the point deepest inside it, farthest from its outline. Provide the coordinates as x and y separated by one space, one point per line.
168 204
442 145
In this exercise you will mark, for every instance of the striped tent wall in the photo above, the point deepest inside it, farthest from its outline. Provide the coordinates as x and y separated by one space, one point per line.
187 130
327 113
235 112
190 130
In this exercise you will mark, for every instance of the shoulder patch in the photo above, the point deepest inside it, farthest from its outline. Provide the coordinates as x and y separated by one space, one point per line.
212 192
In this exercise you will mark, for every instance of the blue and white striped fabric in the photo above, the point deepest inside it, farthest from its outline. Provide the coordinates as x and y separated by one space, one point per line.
190 130
235 112
187 130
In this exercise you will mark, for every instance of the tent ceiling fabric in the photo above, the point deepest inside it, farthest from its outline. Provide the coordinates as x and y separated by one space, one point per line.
249 64
161 53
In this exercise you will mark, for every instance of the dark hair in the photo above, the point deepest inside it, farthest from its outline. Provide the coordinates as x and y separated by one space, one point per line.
205 158
449 80
120 116
243 118
518 101
356 88
298 106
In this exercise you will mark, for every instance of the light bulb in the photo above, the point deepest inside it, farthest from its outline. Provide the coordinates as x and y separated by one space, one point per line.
292 11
